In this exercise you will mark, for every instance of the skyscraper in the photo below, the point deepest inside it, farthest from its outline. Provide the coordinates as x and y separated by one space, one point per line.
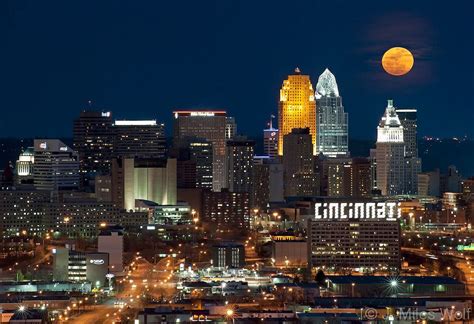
270 140
56 165
390 153
201 153
331 120
413 162
208 125
300 179
139 138
239 164
94 140
297 108
408 120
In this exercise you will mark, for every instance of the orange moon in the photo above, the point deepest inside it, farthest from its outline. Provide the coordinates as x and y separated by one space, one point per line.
397 61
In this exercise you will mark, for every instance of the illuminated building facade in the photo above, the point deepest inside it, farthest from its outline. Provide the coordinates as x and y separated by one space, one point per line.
331 120
148 179
24 166
56 166
209 125
355 235
230 128
225 209
228 255
396 152
390 153
297 108
139 138
270 140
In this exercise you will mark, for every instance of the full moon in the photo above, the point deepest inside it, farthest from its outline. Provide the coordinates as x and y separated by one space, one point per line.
397 61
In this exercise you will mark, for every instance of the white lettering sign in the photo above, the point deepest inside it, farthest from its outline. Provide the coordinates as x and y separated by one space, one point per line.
202 113
369 210
97 261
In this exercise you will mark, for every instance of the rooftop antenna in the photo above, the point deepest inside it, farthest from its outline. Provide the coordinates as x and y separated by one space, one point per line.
271 121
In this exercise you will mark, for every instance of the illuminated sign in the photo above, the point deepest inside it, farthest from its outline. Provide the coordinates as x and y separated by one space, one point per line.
43 145
97 261
465 247
106 114
367 210
202 113
63 148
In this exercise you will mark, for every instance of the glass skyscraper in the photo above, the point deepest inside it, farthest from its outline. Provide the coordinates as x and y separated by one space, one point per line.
331 120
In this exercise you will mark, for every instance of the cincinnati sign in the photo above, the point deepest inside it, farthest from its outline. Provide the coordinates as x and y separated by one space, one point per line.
365 210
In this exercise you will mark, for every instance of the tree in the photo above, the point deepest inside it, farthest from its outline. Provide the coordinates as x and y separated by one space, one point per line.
320 278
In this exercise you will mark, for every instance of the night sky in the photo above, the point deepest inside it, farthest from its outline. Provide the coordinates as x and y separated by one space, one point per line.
142 59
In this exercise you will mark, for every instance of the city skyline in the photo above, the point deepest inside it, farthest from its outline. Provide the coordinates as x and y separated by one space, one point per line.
214 64
237 162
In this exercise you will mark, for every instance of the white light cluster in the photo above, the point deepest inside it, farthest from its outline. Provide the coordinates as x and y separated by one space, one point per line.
370 210
135 122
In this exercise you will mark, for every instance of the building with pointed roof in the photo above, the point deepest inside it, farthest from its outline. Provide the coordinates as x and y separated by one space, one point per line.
331 119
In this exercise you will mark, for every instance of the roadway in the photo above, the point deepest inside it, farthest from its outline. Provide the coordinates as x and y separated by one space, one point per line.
147 280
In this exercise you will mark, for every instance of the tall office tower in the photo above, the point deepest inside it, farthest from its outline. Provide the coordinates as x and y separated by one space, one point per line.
225 209
239 164
94 140
408 120
139 138
56 165
331 120
207 125
147 179
300 179
230 128
390 153
297 108
270 140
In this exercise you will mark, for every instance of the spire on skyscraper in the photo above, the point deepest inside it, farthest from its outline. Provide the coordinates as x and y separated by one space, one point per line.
327 85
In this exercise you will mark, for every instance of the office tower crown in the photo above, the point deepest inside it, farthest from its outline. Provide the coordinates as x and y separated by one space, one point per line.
327 85
390 118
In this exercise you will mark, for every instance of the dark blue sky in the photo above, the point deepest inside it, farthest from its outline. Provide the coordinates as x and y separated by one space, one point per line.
141 59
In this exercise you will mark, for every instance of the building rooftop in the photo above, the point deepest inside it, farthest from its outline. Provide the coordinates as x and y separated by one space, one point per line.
418 280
